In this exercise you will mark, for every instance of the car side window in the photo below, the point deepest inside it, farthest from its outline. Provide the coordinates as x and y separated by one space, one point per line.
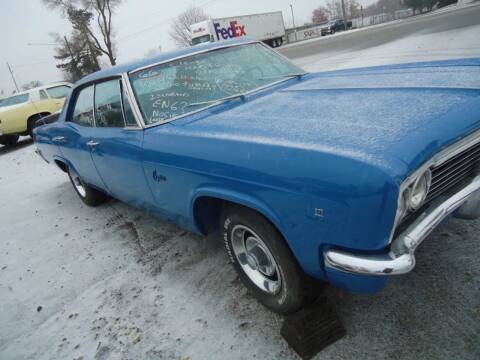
59 92
43 95
108 104
83 110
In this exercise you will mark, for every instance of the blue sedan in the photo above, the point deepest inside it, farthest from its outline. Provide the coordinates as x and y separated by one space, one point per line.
310 178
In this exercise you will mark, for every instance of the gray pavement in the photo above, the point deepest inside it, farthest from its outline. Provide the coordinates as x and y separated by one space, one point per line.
368 37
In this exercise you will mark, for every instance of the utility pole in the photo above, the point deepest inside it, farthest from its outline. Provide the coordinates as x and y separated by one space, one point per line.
361 9
13 77
68 47
344 15
293 21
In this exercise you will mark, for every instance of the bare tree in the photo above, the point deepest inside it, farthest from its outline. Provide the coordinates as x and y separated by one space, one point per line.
334 9
320 15
386 6
81 12
180 30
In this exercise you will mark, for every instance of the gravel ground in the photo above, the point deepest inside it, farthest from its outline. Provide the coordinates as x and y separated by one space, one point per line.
115 283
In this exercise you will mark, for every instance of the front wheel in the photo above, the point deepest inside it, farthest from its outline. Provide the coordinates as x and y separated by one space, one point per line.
89 195
263 260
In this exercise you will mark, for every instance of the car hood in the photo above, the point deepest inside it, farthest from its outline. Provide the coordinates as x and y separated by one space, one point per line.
402 114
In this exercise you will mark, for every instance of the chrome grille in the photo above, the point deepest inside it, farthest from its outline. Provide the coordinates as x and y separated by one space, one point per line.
453 171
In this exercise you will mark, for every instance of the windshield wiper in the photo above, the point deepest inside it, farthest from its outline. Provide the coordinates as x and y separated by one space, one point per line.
299 75
221 100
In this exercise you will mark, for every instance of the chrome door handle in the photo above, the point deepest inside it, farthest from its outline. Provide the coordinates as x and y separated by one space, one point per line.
92 143
58 138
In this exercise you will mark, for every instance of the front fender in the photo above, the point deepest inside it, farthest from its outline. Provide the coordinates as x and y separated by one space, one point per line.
237 197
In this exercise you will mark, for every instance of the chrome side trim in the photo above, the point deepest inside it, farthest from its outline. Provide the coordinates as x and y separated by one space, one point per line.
401 258
39 153
133 103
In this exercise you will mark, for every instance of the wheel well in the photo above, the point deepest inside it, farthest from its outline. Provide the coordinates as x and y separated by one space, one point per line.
61 165
37 116
207 211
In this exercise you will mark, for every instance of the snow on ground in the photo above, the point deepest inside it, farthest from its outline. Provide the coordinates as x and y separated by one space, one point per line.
115 283
457 44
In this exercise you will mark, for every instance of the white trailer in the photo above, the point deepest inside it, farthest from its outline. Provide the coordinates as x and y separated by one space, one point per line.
267 27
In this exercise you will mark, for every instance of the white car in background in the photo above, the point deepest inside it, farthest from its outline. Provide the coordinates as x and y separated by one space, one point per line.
19 112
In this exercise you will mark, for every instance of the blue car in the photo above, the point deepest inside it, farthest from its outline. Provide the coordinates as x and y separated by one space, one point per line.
310 178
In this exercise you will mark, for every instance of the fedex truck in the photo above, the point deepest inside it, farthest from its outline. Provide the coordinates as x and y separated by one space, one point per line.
267 27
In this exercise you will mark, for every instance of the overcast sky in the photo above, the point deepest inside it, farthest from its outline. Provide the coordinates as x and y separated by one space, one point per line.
139 26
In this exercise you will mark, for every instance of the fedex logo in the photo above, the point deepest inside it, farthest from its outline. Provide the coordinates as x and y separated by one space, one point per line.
234 30
200 29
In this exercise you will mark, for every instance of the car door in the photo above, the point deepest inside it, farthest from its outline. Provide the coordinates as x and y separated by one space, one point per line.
117 150
41 102
75 137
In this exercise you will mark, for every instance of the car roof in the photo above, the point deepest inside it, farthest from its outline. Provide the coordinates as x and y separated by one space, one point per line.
43 87
162 57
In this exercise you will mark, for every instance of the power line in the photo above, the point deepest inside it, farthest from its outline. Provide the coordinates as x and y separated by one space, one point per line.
163 22
33 64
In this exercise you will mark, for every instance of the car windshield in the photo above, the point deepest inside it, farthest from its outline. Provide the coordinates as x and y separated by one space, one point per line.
189 84
201 39
14 100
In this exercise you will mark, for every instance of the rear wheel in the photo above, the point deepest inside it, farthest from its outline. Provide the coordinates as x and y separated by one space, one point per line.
263 260
31 123
9 140
89 195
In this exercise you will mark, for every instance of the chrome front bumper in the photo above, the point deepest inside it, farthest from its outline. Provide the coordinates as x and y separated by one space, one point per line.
401 258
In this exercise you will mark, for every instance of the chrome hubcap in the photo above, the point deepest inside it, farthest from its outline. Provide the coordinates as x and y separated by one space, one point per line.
78 184
255 259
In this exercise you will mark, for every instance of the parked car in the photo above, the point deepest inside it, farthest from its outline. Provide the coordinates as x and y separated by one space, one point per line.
335 176
19 112
334 26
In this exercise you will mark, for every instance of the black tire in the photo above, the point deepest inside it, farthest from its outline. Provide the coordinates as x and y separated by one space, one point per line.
9 140
31 123
86 193
293 289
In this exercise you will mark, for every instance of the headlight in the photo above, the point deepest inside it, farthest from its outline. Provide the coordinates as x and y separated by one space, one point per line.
419 190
